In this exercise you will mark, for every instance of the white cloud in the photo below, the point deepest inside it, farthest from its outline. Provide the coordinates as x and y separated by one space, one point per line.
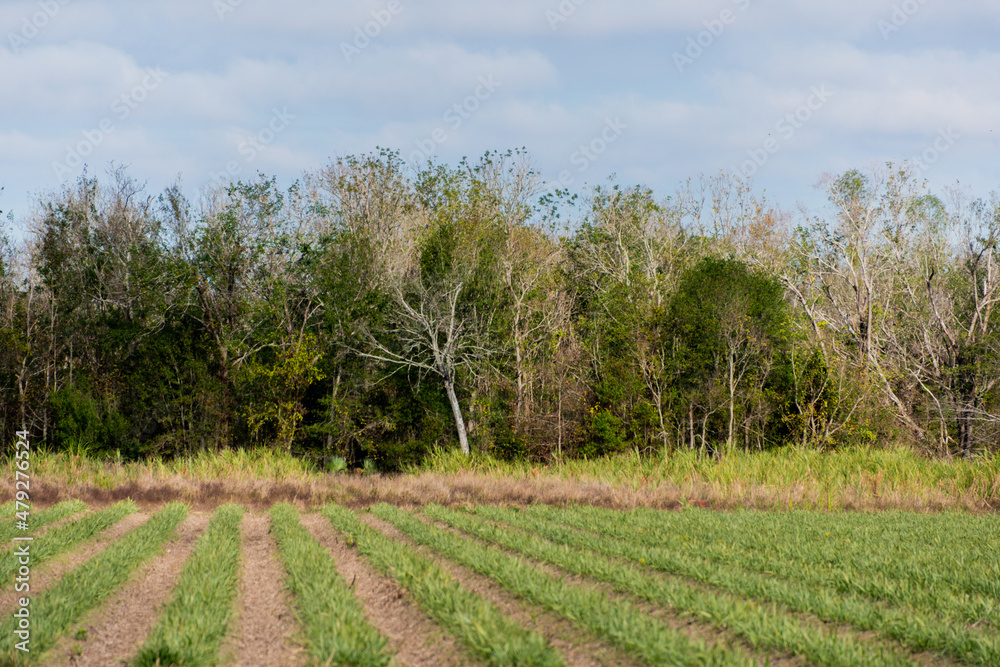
556 88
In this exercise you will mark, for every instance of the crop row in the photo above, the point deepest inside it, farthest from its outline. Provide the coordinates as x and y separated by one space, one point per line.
474 621
190 628
85 587
918 631
332 618
619 620
812 563
7 509
599 569
760 626
61 538
9 529
948 552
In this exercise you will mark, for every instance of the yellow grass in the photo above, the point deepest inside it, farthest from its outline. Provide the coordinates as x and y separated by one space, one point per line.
859 479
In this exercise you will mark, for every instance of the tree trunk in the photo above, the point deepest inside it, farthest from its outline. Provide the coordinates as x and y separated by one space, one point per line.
456 409
691 422
333 412
732 401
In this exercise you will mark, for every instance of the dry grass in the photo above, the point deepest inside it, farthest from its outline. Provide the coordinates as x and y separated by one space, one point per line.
867 480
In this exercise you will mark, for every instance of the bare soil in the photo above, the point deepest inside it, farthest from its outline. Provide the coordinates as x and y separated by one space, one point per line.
115 632
48 572
415 638
265 625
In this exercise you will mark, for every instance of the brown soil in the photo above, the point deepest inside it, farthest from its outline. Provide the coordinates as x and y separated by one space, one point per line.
414 637
577 646
116 631
265 624
48 572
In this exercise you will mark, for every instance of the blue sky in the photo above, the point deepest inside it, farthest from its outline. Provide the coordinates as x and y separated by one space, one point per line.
653 92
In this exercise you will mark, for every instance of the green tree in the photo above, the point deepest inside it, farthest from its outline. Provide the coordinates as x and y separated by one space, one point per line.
729 327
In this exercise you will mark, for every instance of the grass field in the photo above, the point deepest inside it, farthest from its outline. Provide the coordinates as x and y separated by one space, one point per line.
494 584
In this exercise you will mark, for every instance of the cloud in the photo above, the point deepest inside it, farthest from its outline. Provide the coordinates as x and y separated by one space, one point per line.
558 84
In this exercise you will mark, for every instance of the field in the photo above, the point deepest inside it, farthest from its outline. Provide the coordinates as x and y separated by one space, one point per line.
501 584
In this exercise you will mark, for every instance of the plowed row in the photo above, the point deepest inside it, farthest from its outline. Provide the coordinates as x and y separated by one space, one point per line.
498 586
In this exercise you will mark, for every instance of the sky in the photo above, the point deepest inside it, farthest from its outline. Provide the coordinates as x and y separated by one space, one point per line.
651 93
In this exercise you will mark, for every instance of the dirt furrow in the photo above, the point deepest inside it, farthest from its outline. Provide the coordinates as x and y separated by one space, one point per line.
113 634
578 647
48 572
416 639
265 624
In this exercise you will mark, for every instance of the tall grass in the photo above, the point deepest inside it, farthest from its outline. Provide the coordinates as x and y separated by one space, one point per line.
835 474
791 477
226 464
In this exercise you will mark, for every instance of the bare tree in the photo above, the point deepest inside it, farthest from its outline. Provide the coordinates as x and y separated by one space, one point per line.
429 334
843 275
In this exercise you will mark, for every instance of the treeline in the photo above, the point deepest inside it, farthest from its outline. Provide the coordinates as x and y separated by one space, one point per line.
371 312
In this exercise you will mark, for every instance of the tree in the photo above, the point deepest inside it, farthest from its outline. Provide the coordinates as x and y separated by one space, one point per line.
946 337
845 280
432 321
364 210
226 259
727 325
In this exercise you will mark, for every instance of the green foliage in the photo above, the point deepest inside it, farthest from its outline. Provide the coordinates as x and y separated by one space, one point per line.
605 434
284 383
336 464
88 423
190 628
347 314
728 329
